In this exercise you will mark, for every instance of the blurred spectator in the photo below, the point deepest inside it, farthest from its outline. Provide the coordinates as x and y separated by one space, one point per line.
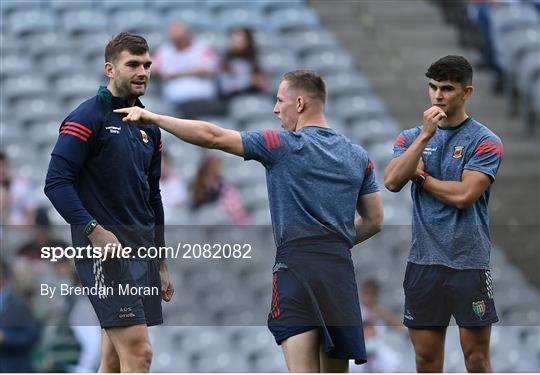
173 188
18 329
42 237
373 312
209 186
381 357
72 342
187 68
17 202
240 72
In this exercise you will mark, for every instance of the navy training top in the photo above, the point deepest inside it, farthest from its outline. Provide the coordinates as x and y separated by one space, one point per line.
104 169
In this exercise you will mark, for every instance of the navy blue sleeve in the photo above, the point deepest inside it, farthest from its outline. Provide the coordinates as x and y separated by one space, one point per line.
77 134
155 193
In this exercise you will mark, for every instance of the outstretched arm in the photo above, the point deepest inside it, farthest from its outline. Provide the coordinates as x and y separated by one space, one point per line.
200 133
370 222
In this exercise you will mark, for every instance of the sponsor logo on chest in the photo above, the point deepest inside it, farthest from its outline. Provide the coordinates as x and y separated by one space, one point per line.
113 129
458 152
429 150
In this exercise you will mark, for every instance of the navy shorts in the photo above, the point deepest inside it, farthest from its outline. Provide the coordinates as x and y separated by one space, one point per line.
434 293
123 292
316 289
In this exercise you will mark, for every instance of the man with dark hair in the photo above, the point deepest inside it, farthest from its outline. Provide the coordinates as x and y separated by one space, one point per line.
452 160
103 179
316 178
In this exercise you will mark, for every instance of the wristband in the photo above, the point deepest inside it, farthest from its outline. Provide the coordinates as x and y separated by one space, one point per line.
421 179
89 228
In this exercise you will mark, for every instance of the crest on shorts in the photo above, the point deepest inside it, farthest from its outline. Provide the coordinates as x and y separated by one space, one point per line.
479 308
144 136
458 152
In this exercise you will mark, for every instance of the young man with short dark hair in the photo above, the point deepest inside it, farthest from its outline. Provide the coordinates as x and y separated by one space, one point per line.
452 160
103 179
316 180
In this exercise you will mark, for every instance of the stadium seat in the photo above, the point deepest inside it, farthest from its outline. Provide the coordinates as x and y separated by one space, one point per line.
358 107
377 129
9 44
39 109
137 21
251 108
48 43
311 41
118 7
197 19
220 359
253 341
291 19
32 21
269 6
61 65
14 65
278 62
166 6
217 6
528 70
84 21
24 86
328 62
245 17
61 7
76 86
10 7
272 362
218 40
346 84
506 18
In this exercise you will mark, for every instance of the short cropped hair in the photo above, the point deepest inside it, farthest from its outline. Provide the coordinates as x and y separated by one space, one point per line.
307 81
451 68
125 41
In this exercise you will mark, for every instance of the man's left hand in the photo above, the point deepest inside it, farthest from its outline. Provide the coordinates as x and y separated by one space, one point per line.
167 289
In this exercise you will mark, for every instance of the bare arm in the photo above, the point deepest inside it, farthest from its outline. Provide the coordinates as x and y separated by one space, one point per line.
370 222
460 194
400 170
200 133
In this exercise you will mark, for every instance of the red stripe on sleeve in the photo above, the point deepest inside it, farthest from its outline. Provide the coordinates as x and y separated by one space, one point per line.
370 166
76 130
272 139
276 138
400 141
73 134
80 126
266 138
489 147
160 148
